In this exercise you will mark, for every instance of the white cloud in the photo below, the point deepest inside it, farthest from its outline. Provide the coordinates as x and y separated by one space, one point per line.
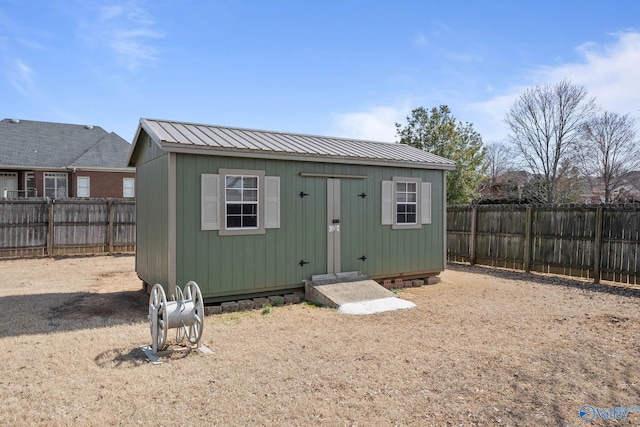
21 77
488 116
463 57
127 30
609 72
437 30
374 124
420 40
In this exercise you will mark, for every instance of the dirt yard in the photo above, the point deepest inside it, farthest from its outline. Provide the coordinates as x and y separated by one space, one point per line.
483 347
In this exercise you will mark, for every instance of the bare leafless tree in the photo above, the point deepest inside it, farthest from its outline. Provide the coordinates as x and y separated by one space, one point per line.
609 149
499 159
544 123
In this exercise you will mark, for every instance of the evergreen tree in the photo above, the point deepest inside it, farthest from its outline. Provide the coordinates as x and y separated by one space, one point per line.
438 132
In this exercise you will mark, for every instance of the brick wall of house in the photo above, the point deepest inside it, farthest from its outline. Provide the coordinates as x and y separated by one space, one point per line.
101 184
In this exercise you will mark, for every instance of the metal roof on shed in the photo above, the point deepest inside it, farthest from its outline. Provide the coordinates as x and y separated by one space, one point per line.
192 137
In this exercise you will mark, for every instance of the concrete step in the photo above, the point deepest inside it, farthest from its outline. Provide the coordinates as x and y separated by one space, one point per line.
358 295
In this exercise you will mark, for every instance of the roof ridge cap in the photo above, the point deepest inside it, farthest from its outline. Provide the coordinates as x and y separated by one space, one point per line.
89 149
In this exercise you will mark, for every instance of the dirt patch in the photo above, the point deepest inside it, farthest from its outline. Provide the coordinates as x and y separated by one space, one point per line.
127 306
483 347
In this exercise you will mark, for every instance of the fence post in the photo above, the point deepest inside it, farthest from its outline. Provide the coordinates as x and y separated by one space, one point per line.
50 227
597 250
472 236
527 239
110 212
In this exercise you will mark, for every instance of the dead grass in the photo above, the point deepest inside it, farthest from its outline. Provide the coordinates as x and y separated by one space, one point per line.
484 347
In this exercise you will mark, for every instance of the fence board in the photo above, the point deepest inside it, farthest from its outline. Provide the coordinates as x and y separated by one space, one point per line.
562 239
38 227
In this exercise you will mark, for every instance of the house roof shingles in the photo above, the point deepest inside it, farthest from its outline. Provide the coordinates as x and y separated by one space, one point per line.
177 136
34 144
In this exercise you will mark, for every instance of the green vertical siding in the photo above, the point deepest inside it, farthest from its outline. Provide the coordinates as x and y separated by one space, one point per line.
236 265
151 221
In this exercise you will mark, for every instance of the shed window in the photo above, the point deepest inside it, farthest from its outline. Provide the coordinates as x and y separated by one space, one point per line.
406 203
241 202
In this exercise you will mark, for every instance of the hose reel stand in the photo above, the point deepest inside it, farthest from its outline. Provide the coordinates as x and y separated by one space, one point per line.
185 313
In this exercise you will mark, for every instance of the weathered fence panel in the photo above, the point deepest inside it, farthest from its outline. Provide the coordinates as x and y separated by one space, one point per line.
620 255
459 234
563 240
599 242
39 227
500 236
23 228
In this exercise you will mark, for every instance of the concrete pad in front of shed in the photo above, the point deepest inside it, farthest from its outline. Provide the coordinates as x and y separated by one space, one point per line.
360 293
375 306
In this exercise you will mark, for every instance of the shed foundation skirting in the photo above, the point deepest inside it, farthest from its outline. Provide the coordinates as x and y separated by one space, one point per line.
310 294
254 303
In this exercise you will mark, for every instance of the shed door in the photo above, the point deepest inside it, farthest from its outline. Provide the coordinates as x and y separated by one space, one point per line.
333 226
356 226
311 249
334 237
347 219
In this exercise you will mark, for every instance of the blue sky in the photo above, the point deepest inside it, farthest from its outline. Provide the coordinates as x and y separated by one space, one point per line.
341 68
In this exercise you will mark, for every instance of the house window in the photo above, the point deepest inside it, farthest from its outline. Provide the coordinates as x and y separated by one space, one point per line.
83 186
406 203
30 184
241 202
55 185
128 187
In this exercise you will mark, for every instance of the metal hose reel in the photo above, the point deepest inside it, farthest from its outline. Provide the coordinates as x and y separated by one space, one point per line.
185 313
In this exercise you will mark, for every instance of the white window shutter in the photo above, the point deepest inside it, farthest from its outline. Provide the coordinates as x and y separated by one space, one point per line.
210 202
425 203
387 202
272 202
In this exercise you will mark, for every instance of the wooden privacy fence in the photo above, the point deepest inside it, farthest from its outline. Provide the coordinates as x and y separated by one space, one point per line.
598 242
45 227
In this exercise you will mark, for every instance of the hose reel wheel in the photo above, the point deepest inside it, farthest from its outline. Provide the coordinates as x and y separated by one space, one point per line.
185 312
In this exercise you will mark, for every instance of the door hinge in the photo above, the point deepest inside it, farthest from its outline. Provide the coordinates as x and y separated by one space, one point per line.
362 195
363 258
302 194
302 263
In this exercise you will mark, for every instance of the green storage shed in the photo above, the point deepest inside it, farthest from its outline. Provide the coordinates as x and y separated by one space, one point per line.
247 212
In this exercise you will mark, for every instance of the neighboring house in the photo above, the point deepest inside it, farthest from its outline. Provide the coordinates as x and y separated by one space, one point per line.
516 187
248 212
627 190
506 188
57 160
